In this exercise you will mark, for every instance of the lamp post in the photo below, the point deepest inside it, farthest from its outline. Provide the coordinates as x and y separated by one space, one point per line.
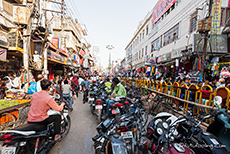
110 47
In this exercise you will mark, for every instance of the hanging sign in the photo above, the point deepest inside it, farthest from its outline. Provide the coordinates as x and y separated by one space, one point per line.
216 16
55 42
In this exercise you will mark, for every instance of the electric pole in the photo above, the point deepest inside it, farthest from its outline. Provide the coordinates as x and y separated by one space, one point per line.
205 35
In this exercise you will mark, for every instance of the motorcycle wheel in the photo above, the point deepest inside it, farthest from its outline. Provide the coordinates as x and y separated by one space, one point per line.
65 128
29 148
91 109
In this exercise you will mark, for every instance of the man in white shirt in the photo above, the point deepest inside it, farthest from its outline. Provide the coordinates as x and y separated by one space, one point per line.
40 78
79 81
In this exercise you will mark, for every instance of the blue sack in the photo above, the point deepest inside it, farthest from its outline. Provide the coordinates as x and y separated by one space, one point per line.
32 88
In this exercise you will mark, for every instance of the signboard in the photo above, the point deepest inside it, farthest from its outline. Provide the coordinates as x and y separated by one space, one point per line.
149 60
3 39
176 54
160 8
225 3
216 17
3 53
55 42
162 58
82 53
218 43
54 56
21 14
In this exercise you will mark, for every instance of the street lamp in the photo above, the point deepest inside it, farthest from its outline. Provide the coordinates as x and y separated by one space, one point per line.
110 47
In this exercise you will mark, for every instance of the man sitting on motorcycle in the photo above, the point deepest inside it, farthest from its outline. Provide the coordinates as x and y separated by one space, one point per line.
119 91
41 102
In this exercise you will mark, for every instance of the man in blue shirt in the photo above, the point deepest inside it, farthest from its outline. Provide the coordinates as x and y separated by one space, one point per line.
86 90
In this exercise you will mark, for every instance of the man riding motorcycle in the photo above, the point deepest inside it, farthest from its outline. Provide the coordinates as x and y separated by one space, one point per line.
118 91
41 102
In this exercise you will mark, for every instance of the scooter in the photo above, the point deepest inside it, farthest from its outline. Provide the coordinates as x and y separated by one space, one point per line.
34 138
220 127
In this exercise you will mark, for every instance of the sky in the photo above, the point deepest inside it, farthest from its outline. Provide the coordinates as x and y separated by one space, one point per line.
110 22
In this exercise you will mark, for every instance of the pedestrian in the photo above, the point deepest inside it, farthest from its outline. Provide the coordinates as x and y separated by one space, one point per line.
85 90
80 81
66 93
75 84
200 84
40 78
213 83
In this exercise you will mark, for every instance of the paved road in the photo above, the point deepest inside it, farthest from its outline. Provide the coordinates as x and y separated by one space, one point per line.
83 127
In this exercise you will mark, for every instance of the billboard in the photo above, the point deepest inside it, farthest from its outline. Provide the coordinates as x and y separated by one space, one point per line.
160 8
216 17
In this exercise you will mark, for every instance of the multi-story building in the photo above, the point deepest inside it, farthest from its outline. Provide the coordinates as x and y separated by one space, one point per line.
169 32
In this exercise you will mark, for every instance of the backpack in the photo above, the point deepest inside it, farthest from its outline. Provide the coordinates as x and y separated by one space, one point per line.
32 88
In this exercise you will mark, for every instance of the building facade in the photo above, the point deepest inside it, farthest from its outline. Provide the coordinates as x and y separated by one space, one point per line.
169 32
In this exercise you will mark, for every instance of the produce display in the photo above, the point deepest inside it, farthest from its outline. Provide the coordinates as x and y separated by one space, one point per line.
7 103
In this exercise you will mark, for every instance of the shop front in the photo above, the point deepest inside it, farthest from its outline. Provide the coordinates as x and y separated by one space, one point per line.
56 63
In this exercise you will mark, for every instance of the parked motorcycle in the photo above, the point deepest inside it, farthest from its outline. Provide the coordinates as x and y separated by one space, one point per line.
34 138
161 135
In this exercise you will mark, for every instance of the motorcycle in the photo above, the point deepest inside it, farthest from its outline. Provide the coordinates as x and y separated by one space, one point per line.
34 138
161 135
220 127
116 136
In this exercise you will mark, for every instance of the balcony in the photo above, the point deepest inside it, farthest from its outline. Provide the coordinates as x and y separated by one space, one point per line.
18 1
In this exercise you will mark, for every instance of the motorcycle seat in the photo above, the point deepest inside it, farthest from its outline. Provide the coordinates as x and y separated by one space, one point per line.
117 104
25 133
32 127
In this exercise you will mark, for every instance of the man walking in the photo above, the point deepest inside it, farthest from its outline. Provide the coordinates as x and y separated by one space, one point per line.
86 90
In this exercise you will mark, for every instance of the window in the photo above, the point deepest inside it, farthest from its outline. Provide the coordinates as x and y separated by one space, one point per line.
147 30
142 52
152 46
193 22
146 47
143 34
171 35
140 36
139 54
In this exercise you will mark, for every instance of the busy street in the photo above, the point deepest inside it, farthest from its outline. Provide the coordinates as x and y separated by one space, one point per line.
82 130
115 77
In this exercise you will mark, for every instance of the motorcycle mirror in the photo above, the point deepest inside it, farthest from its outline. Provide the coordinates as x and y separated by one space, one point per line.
57 96
217 100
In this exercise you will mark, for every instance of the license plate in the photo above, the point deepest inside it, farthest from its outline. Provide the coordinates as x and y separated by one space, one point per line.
128 134
98 106
8 150
116 111
91 99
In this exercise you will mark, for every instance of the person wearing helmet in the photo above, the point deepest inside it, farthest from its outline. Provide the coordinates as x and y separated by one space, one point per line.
108 85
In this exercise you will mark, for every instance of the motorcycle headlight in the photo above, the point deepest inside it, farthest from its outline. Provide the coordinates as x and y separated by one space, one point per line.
159 131
165 125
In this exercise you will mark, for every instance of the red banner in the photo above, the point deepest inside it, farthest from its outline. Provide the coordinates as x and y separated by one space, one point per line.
160 8
229 3
55 42
82 52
